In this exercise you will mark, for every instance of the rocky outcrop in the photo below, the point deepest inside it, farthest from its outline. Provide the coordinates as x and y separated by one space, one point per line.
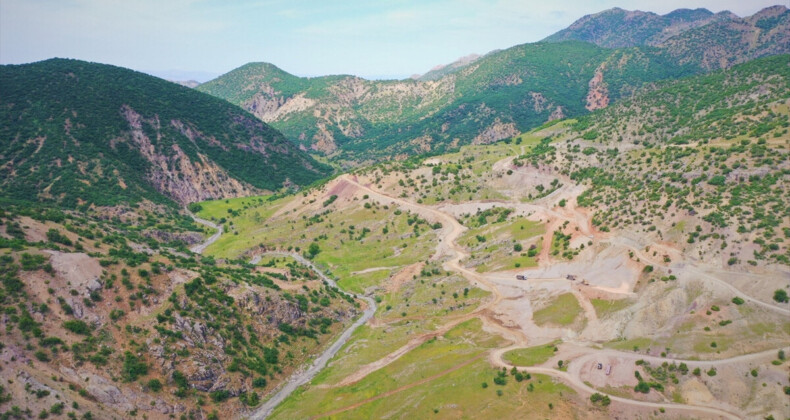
598 92
557 114
496 131
189 238
173 173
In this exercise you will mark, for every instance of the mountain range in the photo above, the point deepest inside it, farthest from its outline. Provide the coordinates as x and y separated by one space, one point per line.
596 61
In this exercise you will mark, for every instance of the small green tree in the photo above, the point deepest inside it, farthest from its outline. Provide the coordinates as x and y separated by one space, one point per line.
780 295
313 249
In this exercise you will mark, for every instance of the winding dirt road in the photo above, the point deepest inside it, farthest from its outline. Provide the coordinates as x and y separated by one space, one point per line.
448 247
199 248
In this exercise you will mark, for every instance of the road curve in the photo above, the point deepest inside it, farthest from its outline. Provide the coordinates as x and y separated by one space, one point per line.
199 248
579 385
301 377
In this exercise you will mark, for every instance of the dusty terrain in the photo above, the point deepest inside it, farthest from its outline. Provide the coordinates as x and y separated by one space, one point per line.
609 268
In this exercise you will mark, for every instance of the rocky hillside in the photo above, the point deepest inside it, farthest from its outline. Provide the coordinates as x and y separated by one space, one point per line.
494 97
78 133
705 160
484 99
711 41
108 315
617 28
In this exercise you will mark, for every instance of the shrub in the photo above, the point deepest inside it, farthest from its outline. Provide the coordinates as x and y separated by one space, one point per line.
155 385
219 395
780 295
78 327
133 367
738 301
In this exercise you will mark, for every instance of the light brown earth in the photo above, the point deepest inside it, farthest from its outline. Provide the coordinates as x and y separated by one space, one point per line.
604 270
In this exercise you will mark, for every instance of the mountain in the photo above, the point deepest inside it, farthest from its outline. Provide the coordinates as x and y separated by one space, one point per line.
711 41
80 133
726 42
616 28
187 83
356 120
483 99
444 69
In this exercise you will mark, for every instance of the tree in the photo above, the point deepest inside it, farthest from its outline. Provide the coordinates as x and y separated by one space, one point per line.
155 385
313 249
780 295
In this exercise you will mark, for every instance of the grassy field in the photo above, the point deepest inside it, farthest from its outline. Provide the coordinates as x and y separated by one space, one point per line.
440 379
530 356
563 310
217 209
604 307
497 252
245 226
431 296
641 343
352 240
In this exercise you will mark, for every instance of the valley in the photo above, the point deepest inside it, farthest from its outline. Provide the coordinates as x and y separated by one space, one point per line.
595 225
507 310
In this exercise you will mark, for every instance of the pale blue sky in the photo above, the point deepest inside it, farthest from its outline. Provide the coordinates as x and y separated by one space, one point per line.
374 39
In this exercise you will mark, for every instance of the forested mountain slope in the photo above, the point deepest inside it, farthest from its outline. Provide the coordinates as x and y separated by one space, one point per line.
79 133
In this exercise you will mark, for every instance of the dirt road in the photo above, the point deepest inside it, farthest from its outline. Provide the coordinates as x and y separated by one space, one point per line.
448 247
199 248
300 378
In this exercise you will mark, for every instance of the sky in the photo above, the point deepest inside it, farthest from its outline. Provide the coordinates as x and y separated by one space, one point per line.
201 39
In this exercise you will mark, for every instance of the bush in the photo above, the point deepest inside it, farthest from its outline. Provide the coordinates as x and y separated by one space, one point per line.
780 295
42 355
219 395
642 387
155 385
133 367
78 327
600 398
738 301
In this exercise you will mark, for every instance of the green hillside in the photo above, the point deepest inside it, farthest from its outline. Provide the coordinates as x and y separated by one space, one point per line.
356 120
710 149
79 133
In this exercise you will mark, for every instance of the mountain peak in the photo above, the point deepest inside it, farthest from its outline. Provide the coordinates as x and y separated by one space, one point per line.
617 28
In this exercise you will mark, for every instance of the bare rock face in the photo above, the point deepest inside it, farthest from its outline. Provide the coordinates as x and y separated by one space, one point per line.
77 270
324 140
174 174
189 238
557 114
497 131
598 93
